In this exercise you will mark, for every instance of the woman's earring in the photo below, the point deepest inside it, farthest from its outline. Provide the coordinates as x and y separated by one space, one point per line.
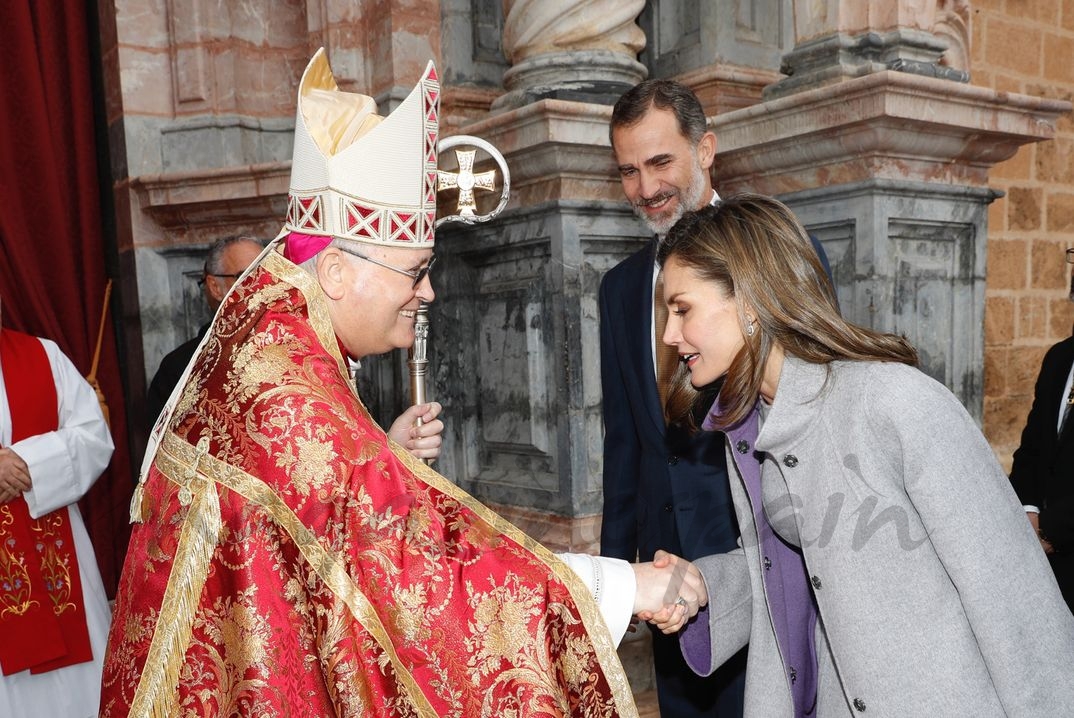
750 329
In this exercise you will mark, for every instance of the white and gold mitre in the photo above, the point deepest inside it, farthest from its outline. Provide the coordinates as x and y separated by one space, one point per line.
358 176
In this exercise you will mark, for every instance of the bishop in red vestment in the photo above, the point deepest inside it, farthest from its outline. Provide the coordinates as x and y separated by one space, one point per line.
288 559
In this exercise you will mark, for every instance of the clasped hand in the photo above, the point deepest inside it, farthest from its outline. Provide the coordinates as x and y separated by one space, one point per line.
14 475
670 591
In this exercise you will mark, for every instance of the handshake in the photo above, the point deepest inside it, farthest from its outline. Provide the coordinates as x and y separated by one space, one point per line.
670 591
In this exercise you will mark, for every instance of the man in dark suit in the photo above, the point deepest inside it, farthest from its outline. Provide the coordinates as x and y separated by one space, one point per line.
226 260
1043 470
664 487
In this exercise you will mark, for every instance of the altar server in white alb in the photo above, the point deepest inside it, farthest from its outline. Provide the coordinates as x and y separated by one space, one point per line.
54 615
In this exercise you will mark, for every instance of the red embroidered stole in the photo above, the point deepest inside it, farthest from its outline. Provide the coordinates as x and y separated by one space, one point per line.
42 616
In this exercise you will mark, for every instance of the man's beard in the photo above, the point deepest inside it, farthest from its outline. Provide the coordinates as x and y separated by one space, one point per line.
689 200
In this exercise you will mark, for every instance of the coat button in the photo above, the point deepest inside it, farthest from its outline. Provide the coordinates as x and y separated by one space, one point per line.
669 508
790 461
767 563
859 705
815 580
672 460
742 446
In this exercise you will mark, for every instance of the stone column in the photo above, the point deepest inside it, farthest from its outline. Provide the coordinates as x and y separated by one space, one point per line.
570 49
883 150
516 312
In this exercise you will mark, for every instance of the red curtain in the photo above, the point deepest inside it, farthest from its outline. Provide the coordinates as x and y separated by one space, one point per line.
52 251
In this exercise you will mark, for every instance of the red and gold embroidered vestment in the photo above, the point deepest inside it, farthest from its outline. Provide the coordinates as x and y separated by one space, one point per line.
292 562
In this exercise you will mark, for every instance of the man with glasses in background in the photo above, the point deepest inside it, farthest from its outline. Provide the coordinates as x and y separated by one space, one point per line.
225 262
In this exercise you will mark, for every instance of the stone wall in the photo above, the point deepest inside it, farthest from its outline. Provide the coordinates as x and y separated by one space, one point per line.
1025 47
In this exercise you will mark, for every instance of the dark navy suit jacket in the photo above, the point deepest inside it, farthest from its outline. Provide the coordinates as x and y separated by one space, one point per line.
663 489
1043 470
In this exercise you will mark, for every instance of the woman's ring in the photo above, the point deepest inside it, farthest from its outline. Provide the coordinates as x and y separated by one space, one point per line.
681 602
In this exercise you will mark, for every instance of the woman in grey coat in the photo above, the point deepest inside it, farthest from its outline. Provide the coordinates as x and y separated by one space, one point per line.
886 567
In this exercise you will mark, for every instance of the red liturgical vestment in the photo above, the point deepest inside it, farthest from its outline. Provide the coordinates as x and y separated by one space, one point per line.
290 561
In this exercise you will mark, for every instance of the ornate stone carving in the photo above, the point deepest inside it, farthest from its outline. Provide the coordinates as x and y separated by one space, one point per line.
952 23
535 27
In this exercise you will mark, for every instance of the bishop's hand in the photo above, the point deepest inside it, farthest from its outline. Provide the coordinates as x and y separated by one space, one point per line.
670 591
421 438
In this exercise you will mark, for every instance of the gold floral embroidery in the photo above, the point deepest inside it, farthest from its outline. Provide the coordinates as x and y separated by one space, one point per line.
55 562
14 579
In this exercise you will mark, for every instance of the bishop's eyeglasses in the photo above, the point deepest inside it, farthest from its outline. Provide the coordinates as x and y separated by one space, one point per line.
416 274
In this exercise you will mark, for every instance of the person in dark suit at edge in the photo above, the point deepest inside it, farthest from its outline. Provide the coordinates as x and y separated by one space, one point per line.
225 261
1042 472
663 488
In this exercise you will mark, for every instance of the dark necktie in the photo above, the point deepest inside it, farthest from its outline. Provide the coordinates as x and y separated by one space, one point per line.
1066 410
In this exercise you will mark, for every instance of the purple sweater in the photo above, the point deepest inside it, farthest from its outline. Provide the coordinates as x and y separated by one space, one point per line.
786 584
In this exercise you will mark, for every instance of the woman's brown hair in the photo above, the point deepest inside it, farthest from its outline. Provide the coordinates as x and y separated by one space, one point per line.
759 253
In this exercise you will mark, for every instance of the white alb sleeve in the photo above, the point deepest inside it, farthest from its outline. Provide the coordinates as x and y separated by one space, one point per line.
611 583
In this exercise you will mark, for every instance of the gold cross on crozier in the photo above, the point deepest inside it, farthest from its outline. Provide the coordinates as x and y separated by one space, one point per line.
466 181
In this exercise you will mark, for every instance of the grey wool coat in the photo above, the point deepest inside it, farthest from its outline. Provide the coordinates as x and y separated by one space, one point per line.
933 595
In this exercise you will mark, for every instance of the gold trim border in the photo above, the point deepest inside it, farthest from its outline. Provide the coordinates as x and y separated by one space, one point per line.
176 455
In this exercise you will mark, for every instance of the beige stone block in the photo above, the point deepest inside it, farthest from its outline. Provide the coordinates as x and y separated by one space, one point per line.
1045 12
1058 57
1019 167
1048 267
1023 367
1060 209
1060 318
999 321
1007 264
142 23
279 25
1066 16
995 372
1024 208
1013 45
1003 421
268 82
1054 161
1031 318
147 82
